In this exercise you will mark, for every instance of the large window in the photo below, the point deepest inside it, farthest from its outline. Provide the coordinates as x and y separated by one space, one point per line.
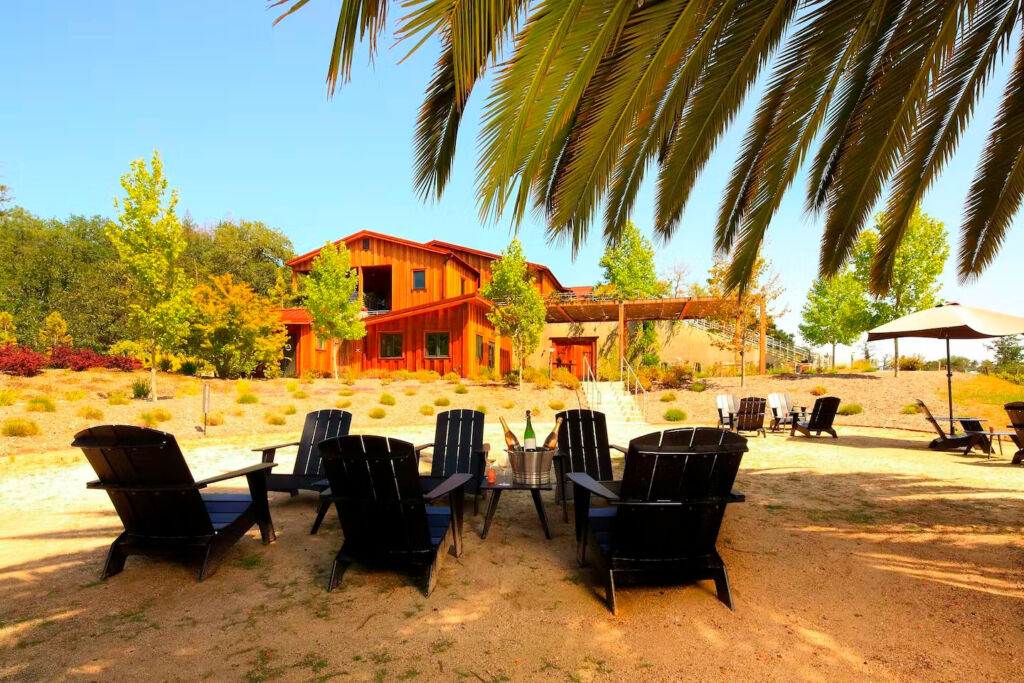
490 355
419 279
437 344
390 346
479 348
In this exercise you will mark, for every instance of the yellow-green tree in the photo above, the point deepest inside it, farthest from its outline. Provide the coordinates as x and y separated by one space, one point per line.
332 301
235 330
149 242
54 332
7 330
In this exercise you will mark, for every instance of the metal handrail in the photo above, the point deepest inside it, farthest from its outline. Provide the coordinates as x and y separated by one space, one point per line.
630 379
590 389
784 350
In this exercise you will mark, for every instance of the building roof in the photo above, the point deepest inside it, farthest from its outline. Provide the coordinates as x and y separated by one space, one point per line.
472 298
495 257
309 255
295 316
572 310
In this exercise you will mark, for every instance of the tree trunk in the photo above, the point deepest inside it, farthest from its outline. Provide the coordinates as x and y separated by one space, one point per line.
896 358
743 365
833 355
522 365
334 358
152 373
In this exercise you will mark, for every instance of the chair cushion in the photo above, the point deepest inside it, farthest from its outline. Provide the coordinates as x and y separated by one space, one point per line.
601 525
438 519
225 508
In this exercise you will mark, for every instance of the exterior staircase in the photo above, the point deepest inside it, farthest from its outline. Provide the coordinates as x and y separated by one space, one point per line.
613 400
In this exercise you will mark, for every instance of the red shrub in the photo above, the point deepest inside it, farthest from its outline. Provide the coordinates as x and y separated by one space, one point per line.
20 361
84 359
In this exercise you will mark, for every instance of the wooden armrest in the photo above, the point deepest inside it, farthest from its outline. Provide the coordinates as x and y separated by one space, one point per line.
251 469
620 449
422 448
738 497
589 483
274 448
147 488
450 484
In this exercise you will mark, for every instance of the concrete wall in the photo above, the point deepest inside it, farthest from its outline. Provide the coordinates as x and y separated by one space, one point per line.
680 343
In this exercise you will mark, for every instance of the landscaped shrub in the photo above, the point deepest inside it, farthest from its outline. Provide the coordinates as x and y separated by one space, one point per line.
667 397
387 400
154 417
441 401
481 409
911 409
565 378
911 363
90 413
540 381
189 367
345 391
165 364
451 377
676 375
275 419
86 359
247 398
140 388
8 397
21 361
377 413
818 390
288 409
299 394
508 405
531 375
118 398
410 392
648 376
426 376
697 386
41 404
556 405
74 395
18 426
675 415
535 411
341 405
850 409
461 389
426 410
511 379
214 420
346 376
291 385
401 375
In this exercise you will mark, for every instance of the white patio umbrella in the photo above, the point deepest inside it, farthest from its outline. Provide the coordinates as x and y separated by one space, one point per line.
950 321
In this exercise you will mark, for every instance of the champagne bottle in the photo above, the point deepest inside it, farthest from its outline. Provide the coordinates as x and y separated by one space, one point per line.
511 442
529 438
551 443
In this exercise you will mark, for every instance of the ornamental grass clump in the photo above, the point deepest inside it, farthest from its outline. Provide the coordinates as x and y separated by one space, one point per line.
18 426
387 400
667 397
377 413
461 389
118 398
850 409
41 404
90 413
442 402
426 410
275 419
675 415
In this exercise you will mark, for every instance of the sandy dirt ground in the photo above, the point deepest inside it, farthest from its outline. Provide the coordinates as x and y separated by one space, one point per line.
865 558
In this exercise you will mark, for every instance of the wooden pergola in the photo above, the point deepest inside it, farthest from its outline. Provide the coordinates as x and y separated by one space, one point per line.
573 309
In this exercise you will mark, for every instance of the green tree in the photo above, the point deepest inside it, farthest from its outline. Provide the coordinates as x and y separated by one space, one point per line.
835 311
149 241
1008 351
629 273
235 330
54 332
332 299
519 311
251 251
7 330
876 94
918 263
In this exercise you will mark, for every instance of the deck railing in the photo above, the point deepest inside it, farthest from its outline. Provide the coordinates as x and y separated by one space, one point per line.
631 384
590 388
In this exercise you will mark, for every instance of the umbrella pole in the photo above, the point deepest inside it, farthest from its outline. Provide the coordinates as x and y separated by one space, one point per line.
949 388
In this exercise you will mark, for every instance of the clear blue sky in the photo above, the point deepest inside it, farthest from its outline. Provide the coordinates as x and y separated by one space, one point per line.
237 108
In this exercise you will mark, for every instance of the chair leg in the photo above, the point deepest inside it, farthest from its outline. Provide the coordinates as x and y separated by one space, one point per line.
207 567
321 512
341 563
1018 457
609 591
722 586
114 563
261 506
476 503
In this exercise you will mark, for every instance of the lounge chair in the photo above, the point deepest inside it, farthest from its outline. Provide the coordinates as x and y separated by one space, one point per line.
307 474
823 414
582 447
750 416
163 509
376 487
727 407
1015 411
945 442
782 408
663 525
458 446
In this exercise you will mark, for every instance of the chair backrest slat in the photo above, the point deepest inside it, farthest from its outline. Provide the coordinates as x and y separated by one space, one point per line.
376 485
1015 411
823 414
128 456
457 434
931 420
320 425
689 466
750 415
583 435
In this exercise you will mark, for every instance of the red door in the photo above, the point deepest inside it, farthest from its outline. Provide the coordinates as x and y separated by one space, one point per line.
570 352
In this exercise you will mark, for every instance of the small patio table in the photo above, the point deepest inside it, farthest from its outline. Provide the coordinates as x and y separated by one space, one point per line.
504 482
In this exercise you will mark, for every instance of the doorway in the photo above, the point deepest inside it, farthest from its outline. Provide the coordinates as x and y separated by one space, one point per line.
574 354
377 289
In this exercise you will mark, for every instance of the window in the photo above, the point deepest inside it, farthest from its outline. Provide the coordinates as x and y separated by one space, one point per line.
490 355
437 344
390 346
479 348
366 244
419 279
319 344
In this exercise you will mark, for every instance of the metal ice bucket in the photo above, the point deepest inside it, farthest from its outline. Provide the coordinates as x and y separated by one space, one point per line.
531 467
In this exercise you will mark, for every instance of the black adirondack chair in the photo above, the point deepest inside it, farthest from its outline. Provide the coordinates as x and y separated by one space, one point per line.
308 474
662 527
582 447
823 414
163 509
750 416
1015 411
945 442
458 447
376 487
